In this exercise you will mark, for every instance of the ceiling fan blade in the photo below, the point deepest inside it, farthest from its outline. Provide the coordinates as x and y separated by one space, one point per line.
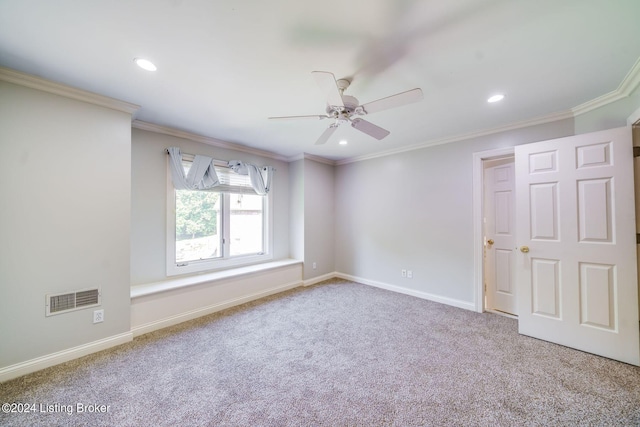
397 100
329 87
298 117
369 128
327 134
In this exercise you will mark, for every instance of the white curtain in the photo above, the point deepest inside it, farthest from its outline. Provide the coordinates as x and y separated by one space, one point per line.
201 176
260 177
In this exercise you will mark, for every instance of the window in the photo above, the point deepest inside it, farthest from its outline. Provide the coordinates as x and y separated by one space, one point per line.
223 227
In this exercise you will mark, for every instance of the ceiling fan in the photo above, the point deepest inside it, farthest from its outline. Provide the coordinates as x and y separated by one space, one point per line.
345 109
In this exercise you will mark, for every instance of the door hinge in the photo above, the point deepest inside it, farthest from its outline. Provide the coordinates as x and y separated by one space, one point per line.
636 151
637 239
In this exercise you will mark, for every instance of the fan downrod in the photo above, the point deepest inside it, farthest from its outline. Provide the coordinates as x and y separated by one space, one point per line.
342 84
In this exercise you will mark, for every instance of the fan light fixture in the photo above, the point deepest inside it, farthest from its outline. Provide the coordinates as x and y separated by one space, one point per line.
343 142
496 98
145 64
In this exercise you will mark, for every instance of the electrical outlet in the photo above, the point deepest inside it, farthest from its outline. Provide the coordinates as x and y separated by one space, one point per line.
98 316
409 274
314 265
404 273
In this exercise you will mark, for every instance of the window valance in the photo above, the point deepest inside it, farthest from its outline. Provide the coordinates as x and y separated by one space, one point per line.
206 174
201 174
260 178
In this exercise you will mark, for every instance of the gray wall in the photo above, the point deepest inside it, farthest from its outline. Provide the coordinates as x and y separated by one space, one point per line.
64 224
319 219
312 216
296 210
413 211
149 199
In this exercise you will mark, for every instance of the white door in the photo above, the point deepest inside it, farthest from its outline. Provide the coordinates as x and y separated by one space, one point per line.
575 212
499 236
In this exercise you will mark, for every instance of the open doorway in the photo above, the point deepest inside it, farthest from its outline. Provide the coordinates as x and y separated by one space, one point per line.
499 220
480 239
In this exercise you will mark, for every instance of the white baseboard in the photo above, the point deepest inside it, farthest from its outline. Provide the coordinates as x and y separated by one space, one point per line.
419 294
33 365
319 279
203 311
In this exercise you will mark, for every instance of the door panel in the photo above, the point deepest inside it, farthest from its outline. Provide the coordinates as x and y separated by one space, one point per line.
504 277
577 285
503 201
544 213
597 295
545 283
594 210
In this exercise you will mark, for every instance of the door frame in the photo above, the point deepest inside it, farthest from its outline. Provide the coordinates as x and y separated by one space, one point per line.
478 226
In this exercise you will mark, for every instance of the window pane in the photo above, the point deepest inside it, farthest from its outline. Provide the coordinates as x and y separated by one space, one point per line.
197 225
246 224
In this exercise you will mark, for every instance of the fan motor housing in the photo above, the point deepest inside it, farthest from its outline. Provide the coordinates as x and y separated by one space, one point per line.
350 104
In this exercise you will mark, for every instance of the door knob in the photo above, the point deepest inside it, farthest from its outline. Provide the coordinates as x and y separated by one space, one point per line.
524 249
490 242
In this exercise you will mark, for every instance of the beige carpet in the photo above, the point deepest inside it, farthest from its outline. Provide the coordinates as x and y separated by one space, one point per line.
334 354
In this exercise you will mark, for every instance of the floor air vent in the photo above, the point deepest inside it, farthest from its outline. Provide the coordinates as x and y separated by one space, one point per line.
62 303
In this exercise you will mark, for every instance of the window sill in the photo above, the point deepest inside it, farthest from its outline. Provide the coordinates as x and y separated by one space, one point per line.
213 265
138 291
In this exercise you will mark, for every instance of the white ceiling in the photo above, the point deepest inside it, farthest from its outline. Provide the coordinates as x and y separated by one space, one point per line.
225 66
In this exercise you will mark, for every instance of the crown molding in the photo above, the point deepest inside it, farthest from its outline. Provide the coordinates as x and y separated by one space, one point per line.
462 137
319 159
598 102
628 85
631 80
151 127
315 158
33 82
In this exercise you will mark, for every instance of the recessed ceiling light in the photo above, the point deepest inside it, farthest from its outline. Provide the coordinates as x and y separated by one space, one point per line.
343 142
496 98
145 64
